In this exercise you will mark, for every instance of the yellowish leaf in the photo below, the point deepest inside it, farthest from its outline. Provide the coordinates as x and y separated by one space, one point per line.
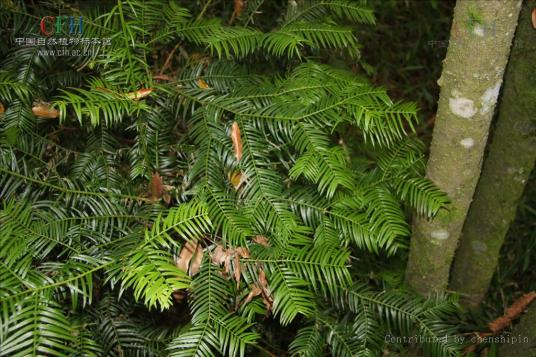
44 110
236 179
141 93
202 84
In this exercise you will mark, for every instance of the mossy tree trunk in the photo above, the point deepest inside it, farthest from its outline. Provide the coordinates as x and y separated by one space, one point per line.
507 167
480 40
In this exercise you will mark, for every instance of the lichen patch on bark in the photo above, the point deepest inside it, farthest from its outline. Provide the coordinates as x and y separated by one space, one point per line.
467 143
440 234
479 31
478 246
489 98
462 107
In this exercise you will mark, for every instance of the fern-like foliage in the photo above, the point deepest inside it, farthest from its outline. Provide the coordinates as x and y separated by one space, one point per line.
186 184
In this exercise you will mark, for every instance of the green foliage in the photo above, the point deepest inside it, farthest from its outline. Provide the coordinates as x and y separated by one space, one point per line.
100 206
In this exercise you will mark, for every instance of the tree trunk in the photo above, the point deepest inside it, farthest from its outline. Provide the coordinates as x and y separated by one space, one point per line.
525 333
480 39
506 170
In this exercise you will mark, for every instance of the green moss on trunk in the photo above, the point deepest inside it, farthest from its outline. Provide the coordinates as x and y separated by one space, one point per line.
506 170
473 69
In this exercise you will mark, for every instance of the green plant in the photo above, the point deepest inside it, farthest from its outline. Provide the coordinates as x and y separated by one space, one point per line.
164 194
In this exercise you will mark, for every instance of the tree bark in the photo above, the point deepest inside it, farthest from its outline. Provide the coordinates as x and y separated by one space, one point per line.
507 168
480 39
525 333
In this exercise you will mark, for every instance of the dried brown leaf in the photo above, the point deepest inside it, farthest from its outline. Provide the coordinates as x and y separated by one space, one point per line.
162 77
266 295
237 140
255 291
512 312
268 302
179 295
262 240
242 252
238 7
223 256
227 264
219 255
186 254
195 265
534 18
156 186
167 198
44 110
2 109
262 278
237 270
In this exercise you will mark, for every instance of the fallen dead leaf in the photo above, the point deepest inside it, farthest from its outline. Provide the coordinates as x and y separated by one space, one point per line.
237 10
156 186
266 295
186 254
219 255
255 291
223 256
262 278
167 198
195 266
44 110
190 258
179 295
237 270
238 7
2 109
262 240
242 252
227 263
237 140
162 77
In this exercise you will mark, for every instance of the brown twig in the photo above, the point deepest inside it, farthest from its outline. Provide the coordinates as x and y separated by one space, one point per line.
168 59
